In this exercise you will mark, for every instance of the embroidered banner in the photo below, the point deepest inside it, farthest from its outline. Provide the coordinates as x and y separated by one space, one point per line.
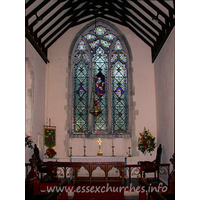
49 136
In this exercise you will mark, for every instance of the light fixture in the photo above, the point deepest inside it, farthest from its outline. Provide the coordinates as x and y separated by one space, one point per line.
96 112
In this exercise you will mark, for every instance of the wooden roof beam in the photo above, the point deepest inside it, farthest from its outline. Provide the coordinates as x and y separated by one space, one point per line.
147 11
61 27
156 9
60 34
52 17
166 5
34 11
29 3
139 22
68 13
42 53
131 28
135 25
45 13
128 5
72 19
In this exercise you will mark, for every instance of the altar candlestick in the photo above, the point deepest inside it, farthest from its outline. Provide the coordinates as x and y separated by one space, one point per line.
84 140
70 142
112 141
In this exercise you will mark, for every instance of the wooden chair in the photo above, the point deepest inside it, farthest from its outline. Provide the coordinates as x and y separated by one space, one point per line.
149 168
51 172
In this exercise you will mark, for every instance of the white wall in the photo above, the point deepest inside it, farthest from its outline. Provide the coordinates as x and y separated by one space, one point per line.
56 93
164 84
38 120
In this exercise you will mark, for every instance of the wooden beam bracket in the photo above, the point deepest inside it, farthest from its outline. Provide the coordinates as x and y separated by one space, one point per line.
42 53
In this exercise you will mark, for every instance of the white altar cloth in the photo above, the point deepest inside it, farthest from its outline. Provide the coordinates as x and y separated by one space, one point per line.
98 159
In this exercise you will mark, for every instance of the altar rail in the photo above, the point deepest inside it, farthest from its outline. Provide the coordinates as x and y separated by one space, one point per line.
64 169
136 171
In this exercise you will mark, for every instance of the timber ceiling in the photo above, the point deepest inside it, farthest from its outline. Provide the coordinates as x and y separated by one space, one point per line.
46 21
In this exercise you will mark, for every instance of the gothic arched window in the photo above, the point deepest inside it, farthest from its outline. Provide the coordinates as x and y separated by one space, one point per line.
100 72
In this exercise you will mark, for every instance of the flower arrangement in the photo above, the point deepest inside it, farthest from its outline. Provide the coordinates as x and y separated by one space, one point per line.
28 142
146 142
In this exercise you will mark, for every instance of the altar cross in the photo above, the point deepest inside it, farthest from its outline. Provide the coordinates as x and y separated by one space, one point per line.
99 141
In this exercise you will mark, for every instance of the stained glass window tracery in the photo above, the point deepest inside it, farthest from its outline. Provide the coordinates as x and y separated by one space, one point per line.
118 45
81 46
107 86
105 43
109 36
99 30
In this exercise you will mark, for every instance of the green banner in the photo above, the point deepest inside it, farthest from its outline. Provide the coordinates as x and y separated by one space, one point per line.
49 137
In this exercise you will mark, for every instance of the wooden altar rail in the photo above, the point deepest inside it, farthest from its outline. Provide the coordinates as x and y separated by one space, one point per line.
75 166
137 170
133 170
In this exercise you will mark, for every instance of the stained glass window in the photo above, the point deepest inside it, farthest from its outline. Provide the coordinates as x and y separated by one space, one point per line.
99 47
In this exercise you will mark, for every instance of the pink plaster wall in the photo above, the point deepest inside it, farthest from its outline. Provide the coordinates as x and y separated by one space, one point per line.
164 84
39 70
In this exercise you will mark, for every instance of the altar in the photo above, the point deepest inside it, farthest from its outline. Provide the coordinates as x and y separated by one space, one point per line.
101 168
94 159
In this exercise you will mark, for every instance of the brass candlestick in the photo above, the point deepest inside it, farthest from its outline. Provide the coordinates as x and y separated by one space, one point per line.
84 151
129 154
113 151
70 151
